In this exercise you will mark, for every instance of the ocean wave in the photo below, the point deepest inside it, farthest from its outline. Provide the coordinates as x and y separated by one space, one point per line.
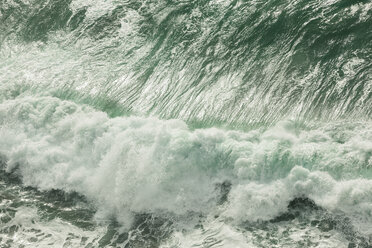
128 165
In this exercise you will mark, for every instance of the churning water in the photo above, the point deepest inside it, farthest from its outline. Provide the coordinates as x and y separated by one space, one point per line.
185 123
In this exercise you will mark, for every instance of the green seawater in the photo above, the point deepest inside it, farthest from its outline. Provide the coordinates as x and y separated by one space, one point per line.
184 123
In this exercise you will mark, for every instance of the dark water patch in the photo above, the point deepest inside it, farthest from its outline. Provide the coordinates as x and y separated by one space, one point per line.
223 191
107 24
76 19
305 213
348 3
147 230
48 16
34 21
68 206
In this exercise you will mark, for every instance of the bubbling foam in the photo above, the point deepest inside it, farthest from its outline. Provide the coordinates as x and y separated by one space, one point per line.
129 165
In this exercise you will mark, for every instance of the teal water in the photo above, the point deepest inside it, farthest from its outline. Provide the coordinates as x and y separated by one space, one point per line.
165 123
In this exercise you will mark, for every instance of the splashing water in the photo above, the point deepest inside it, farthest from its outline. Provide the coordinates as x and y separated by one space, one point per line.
185 123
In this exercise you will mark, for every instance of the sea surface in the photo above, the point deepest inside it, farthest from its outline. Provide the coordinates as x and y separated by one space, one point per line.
186 123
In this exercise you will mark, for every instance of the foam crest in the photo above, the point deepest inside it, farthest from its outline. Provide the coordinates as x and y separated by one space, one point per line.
252 201
129 165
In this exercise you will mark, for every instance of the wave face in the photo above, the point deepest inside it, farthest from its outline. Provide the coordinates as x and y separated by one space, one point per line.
240 62
185 123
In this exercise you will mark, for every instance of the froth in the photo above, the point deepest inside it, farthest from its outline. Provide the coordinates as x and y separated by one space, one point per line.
127 165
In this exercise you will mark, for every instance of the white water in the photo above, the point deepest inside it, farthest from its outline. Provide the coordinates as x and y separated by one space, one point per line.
31 231
129 165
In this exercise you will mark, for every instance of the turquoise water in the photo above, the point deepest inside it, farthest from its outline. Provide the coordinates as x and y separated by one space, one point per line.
164 123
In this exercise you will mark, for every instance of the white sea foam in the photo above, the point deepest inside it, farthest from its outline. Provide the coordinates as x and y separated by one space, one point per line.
213 234
127 165
31 231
